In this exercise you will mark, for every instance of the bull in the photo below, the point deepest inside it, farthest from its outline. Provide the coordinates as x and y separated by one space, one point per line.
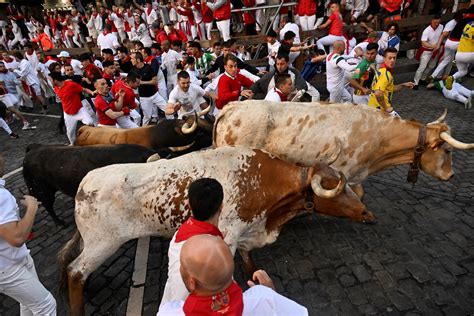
118 203
180 136
51 168
307 132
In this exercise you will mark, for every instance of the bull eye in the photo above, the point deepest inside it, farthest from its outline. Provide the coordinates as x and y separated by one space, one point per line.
447 151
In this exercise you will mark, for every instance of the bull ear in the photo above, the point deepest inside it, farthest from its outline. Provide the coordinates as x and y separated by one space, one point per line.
436 144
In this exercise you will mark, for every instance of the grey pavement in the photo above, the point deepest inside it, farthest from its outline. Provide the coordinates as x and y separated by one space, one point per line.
418 258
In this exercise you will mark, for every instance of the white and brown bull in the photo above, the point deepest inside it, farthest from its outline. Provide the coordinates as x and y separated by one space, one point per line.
307 132
118 203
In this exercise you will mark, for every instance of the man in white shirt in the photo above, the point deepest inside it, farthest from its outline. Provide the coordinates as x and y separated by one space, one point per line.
450 48
185 97
430 41
282 89
107 39
76 64
18 276
336 68
170 60
287 25
27 73
273 46
207 266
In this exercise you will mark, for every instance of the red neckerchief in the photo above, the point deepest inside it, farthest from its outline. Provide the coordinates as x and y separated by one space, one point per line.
148 60
137 25
386 67
95 15
193 227
126 59
106 32
107 76
229 302
148 11
283 97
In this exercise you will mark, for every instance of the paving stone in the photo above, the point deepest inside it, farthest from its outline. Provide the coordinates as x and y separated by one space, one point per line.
347 280
453 310
361 273
385 279
401 302
335 292
356 295
419 272
305 269
410 288
441 275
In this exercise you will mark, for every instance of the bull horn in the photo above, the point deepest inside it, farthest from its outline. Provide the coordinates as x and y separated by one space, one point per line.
324 193
454 142
186 129
205 111
153 157
439 119
181 148
334 157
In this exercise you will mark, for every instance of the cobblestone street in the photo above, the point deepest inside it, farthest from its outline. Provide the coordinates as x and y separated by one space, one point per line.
418 258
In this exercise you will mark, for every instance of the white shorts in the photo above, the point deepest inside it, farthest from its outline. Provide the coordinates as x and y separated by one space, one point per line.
9 99
36 89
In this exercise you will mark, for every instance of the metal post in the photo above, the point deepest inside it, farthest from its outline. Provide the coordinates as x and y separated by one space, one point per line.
259 48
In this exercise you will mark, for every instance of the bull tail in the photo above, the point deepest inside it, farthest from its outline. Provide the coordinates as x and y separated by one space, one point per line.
66 255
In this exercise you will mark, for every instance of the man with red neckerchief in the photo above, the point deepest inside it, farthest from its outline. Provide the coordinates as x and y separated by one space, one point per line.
130 83
382 85
207 266
281 91
205 199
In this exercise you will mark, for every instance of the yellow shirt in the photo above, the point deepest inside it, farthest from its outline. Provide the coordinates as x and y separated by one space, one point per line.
383 81
466 44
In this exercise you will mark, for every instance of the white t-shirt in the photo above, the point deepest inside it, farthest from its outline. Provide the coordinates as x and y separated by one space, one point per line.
190 100
432 36
272 95
11 65
450 26
258 300
107 41
336 67
77 67
9 213
169 61
361 45
291 27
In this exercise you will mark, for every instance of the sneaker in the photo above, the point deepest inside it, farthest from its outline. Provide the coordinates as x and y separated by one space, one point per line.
423 82
14 136
27 125
449 82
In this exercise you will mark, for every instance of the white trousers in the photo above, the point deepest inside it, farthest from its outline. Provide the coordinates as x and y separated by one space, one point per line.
208 27
360 99
307 22
5 126
444 66
21 283
125 122
224 29
339 95
328 40
427 64
458 93
149 106
71 123
463 60
136 117
313 92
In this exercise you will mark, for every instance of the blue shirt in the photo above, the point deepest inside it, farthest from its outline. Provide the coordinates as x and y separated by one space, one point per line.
10 81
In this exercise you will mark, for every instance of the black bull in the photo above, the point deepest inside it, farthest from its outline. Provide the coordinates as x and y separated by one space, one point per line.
51 168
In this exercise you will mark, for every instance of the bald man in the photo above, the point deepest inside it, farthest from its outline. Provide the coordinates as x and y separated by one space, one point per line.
207 266
205 198
336 68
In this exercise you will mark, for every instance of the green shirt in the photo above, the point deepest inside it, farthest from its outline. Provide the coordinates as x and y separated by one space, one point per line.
364 74
203 64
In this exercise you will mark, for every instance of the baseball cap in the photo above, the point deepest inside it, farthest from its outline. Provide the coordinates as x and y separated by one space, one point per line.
64 54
